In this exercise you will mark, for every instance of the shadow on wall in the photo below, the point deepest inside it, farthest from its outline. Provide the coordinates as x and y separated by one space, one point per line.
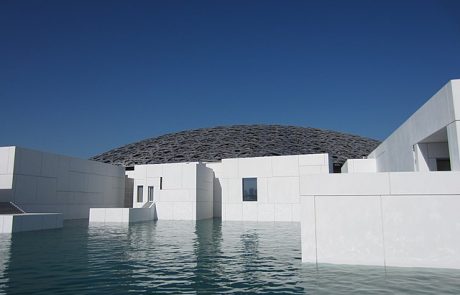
217 198
129 188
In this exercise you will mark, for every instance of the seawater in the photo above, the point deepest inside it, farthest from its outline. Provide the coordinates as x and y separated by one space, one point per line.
204 257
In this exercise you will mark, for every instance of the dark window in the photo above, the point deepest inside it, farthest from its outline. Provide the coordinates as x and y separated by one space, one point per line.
443 164
150 193
140 193
129 168
161 182
249 189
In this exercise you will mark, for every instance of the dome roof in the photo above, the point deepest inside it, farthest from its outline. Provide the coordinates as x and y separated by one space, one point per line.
239 141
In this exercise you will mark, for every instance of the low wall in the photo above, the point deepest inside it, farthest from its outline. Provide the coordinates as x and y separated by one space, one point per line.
29 222
384 219
121 215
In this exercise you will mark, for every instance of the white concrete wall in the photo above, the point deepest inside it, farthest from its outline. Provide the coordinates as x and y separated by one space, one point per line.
6 172
217 188
121 215
427 153
386 219
441 111
184 185
204 192
359 166
29 222
44 182
277 186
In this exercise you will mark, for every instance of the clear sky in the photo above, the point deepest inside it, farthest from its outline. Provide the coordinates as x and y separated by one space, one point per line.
82 77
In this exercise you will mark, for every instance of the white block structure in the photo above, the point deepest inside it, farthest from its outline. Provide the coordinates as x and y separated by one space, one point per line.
12 223
277 186
121 215
429 137
182 191
387 219
40 182
400 206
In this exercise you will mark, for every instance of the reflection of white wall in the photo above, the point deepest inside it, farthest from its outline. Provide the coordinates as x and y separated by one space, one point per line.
441 111
277 186
186 192
44 182
387 219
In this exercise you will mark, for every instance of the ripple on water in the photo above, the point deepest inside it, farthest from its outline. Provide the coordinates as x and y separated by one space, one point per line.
191 257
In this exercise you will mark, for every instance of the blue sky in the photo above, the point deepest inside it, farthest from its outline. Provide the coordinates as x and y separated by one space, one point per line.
82 77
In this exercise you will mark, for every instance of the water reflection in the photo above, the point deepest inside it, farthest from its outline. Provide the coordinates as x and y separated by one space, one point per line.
207 256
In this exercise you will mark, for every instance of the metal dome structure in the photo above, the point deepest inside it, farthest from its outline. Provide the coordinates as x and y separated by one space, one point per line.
240 141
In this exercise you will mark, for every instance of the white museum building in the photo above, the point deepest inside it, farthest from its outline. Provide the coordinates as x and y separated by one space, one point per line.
399 206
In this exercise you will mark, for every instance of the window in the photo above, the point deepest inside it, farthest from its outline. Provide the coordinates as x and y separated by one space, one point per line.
150 193
140 193
443 164
161 183
249 189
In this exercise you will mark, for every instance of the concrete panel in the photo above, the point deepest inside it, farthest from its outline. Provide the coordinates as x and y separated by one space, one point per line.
349 230
7 223
165 210
6 160
441 182
235 190
204 210
250 211
184 211
306 170
190 175
172 178
285 166
46 190
179 195
6 181
153 171
230 168
234 211
308 229
50 164
345 184
266 212
97 214
453 134
255 167
422 231
28 162
262 190
114 215
283 190
283 212
25 188
313 160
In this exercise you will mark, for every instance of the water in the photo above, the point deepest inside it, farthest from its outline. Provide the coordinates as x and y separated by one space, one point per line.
187 257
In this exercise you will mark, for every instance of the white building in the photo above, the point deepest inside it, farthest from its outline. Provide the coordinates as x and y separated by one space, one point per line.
398 207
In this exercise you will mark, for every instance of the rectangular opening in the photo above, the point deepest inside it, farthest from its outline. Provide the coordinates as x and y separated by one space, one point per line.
161 183
443 164
150 193
140 193
249 189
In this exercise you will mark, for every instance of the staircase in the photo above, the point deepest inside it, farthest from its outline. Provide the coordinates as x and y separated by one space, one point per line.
10 208
148 205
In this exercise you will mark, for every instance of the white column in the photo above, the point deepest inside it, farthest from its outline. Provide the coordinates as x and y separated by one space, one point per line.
453 136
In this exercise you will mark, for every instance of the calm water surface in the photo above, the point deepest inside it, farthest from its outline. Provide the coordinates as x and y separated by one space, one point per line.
186 257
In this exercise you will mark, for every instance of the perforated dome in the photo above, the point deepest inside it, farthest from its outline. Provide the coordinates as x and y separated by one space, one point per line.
239 141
